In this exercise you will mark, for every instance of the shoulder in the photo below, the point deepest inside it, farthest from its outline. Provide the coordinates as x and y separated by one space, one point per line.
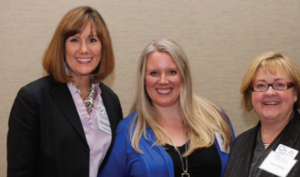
247 133
108 95
125 124
39 87
245 136
105 89
41 83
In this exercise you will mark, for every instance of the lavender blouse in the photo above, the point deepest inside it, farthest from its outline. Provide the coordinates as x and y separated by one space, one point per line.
98 140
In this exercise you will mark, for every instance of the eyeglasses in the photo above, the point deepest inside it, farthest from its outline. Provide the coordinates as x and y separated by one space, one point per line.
262 86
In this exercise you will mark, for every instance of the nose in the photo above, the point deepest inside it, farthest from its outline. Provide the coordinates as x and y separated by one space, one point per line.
163 79
84 48
270 90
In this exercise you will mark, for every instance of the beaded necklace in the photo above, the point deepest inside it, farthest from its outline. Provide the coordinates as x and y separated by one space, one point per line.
89 100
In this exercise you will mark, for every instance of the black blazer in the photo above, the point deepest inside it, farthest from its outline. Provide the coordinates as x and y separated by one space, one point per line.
241 153
46 137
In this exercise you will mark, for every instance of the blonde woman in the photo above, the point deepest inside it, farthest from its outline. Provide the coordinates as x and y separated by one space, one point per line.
171 132
271 86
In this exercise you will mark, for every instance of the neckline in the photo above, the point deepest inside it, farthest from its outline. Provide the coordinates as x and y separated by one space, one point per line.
182 146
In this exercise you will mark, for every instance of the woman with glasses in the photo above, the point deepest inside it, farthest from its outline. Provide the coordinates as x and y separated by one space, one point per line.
271 87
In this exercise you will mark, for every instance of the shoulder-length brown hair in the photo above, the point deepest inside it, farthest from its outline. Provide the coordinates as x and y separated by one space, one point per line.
72 23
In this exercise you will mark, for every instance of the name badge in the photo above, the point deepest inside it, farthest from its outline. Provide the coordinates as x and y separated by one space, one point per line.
103 121
221 143
285 150
278 164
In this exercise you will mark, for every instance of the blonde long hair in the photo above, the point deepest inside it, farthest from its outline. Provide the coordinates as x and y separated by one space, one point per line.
202 117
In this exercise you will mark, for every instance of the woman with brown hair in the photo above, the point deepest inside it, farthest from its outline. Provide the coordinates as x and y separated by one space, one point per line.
64 124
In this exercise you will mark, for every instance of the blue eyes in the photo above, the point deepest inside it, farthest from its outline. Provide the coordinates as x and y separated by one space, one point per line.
261 87
276 85
172 72
281 85
153 73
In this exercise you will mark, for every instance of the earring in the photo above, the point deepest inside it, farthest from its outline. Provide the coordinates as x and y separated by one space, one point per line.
66 68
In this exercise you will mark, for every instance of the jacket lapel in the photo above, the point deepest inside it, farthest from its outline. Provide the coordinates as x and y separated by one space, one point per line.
64 100
289 137
109 108
291 132
247 155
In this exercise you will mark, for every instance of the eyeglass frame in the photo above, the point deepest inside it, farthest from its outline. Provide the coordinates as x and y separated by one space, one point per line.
289 85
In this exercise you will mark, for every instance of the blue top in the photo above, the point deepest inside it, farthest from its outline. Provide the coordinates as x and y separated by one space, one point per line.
124 161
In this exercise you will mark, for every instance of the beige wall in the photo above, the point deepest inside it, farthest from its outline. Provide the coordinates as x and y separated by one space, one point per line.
219 37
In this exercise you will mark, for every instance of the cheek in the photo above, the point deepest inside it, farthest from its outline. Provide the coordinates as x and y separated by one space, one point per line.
149 86
176 81
255 97
287 96
70 49
149 83
96 50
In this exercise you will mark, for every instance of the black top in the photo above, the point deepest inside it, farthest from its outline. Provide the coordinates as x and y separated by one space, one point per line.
243 149
202 162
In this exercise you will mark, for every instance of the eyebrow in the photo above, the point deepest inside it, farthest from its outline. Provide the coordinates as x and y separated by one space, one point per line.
262 80
92 35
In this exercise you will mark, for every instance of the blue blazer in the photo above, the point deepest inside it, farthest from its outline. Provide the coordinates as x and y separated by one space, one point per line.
124 161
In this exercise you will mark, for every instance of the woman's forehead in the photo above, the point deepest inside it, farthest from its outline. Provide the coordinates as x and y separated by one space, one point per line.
273 69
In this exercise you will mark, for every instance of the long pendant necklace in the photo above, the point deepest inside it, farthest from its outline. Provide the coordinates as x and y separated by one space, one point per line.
89 101
185 171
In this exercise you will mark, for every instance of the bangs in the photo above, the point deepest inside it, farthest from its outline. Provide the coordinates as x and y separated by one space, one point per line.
77 25
273 65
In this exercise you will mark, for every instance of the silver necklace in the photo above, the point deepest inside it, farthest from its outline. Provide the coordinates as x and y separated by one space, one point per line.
89 101
185 171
